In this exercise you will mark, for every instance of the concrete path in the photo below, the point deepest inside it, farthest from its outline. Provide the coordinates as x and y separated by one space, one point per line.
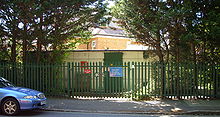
128 106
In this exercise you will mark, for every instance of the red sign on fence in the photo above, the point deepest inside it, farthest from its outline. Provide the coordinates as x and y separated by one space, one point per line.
87 71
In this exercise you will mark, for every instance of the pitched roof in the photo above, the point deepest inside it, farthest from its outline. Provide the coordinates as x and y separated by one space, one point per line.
108 31
113 29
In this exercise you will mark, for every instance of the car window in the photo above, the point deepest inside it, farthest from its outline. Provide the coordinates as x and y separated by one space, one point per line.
1 85
6 84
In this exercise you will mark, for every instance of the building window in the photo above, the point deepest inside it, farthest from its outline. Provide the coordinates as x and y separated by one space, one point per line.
93 44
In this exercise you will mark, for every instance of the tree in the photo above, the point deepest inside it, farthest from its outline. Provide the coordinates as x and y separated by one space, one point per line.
142 20
9 30
47 25
204 27
157 24
178 28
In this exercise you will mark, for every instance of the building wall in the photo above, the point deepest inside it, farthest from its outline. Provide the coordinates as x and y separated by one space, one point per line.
98 56
77 56
105 43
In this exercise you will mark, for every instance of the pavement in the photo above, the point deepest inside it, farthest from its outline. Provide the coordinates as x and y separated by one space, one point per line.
127 106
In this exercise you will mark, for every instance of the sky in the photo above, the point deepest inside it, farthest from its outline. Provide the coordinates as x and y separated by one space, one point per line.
111 3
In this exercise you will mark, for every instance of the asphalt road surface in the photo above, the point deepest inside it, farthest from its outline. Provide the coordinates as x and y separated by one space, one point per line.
80 114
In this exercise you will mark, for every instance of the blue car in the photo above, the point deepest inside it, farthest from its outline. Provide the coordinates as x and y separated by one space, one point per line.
13 99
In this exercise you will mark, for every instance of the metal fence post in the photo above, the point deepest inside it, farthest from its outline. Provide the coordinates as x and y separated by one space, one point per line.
68 80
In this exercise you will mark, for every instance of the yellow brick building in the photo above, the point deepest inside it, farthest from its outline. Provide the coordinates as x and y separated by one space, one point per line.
109 41
110 37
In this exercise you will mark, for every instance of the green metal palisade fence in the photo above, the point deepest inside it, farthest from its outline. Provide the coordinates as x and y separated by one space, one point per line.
136 79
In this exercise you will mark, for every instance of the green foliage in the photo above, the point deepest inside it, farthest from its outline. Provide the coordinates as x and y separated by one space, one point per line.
178 30
206 28
3 50
47 25
151 23
78 38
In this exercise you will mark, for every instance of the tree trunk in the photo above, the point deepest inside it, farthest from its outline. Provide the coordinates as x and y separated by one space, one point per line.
13 51
24 44
38 50
161 63
193 49
177 78
39 40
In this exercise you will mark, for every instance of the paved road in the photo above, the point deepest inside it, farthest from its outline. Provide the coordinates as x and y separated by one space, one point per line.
79 114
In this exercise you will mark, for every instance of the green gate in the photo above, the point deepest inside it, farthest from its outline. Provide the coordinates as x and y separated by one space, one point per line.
113 84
